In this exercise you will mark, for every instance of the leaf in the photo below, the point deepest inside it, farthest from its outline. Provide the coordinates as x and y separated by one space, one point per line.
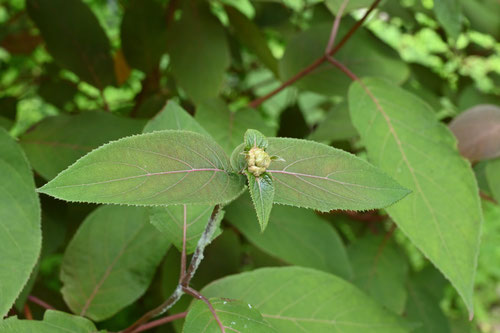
53 322
380 270
143 34
294 299
493 177
478 132
160 168
334 5
251 36
442 216
171 117
199 53
314 175
449 15
423 308
262 192
58 141
364 55
110 261
235 316
20 233
74 38
255 139
228 128
295 235
336 126
170 221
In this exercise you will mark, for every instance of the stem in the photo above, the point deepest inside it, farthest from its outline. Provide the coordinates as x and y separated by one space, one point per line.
335 27
205 239
41 303
160 322
177 294
27 312
315 64
199 296
183 254
104 101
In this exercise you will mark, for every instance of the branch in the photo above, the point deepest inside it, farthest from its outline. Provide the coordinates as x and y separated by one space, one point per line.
160 322
183 254
205 239
315 64
199 296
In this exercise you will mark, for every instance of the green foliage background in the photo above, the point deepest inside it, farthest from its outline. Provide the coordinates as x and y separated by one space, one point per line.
75 75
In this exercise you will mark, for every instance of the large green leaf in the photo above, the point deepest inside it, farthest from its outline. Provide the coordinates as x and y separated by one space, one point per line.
74 38
297 236
144 34
250 35
235 316
53 322
363 54
317 176
294 299
227 127
478 132
442 216
58 141
173 117
110 261
170 221
380 269
449 15
493 177
20 233
160 168
199 53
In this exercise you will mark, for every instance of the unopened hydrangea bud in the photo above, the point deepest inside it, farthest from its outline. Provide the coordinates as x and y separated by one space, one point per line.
257 161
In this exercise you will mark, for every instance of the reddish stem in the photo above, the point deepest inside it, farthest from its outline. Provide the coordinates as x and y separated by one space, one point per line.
199 296
41 303
160 322
335 27
315 64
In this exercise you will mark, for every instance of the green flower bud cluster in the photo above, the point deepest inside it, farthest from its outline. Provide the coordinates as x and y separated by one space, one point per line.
257 161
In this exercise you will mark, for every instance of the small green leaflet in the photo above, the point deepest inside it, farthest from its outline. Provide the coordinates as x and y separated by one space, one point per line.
159 168
170 221
313 175
295 299
110 261
262 192
20 236
53 322
236 316
442 216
